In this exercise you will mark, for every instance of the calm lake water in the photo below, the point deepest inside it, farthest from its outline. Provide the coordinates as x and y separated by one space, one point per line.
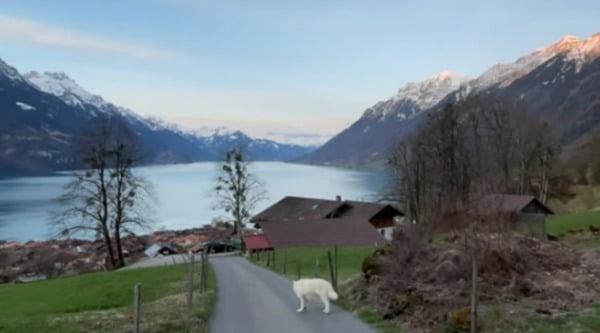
183 191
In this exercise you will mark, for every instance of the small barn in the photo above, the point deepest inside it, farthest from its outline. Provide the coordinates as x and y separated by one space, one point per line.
524 213
257 243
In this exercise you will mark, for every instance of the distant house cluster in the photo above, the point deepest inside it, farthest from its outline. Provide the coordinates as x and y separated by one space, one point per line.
298 221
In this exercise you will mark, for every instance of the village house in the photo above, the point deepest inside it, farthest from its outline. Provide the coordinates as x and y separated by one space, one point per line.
522 213
382 217
298 221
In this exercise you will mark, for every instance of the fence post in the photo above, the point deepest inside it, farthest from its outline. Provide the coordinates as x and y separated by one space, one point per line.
474 294
335 249
331 272
137 307
191 280
203 257
284 262
205 262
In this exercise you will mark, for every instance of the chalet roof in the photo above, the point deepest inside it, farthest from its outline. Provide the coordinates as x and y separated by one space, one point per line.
509 203
257 242
321 232
301 209
367 210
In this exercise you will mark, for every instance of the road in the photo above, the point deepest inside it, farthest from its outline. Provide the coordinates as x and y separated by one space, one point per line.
171 260
254 300
160 261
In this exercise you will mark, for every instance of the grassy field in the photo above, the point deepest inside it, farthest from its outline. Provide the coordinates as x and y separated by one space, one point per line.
561 224
103 302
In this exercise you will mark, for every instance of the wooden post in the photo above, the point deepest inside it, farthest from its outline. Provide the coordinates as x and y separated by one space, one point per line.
284 262
474 294
202 259
331 272
206 271
335 249
137 308
191 281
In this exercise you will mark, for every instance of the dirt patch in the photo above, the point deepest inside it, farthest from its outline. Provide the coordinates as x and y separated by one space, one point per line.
424 283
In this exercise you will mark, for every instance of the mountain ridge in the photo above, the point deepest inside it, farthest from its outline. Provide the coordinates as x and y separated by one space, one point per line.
42 113
556 78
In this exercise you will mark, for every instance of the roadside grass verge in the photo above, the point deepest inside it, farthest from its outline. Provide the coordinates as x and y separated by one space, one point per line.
103 302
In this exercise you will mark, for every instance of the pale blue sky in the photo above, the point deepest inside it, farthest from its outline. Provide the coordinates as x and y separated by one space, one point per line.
274 66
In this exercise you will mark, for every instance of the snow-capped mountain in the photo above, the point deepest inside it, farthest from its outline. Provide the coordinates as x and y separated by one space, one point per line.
373 134
560 82
62 86
41 114
416 97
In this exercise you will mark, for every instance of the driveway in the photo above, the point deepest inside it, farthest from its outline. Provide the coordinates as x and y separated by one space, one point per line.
172 260
254 300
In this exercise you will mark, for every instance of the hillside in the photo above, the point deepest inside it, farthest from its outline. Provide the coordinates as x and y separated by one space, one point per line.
560 83
103 302
43 114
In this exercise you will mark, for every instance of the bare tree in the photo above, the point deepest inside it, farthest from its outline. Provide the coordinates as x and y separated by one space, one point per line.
481 145
107 198
237 190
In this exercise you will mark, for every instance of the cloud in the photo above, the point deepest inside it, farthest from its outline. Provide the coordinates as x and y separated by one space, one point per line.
23 30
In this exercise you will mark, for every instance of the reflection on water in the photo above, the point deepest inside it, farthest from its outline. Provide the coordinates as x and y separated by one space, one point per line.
184 193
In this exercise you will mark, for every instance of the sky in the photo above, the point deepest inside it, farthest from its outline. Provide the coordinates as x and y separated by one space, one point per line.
294 71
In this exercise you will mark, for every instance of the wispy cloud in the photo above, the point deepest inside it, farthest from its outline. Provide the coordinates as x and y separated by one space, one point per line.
29 31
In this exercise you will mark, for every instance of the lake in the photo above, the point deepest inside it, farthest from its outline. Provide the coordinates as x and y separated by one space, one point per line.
183 192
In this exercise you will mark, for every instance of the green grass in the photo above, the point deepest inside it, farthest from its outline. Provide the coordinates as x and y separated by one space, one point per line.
103 302
561 224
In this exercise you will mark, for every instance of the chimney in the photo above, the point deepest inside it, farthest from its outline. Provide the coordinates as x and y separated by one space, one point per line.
338 198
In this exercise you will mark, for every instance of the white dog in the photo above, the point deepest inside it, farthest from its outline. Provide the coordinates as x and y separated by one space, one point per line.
307 289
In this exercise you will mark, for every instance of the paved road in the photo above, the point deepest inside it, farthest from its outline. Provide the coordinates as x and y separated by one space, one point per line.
254 300
160 261
171 260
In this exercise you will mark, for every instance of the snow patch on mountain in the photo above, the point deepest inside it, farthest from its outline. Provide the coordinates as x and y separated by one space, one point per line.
25 107
415 97
576 50
60 85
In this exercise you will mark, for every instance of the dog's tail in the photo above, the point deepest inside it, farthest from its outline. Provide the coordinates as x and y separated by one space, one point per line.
332 295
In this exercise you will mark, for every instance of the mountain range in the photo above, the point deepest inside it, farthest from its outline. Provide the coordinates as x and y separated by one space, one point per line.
560 83
42 114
